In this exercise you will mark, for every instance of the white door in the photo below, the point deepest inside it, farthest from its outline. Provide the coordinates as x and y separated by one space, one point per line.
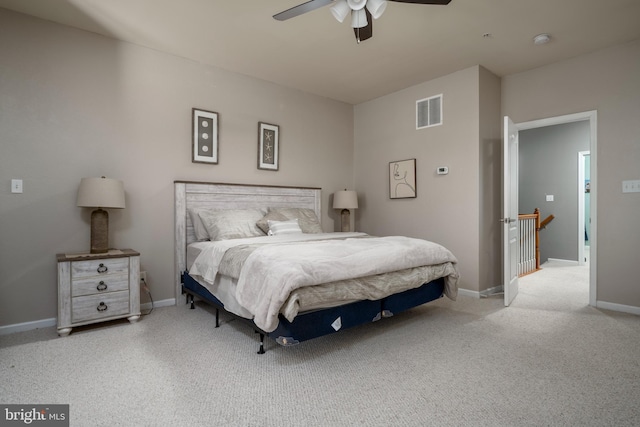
510 236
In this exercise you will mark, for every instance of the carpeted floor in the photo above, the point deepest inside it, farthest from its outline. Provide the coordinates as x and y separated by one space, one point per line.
548 360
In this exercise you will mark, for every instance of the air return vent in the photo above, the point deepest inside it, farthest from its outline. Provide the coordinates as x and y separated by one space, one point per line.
429 112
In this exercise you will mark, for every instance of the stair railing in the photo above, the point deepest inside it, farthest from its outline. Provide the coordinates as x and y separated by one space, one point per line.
529 257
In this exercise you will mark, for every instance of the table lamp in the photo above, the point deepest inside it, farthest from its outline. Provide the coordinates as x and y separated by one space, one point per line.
100 193
345 200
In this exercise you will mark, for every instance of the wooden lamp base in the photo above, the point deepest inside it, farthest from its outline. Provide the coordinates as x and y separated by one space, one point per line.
346 220
99 231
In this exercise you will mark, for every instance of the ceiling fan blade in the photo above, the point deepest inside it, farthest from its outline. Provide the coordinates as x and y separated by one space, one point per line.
442 2
365 33
300 9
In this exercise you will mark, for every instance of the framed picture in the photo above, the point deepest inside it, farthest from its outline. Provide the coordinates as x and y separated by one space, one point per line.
402 179
205 136
268 146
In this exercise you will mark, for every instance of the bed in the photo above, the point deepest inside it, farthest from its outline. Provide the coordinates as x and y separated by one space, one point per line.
270 263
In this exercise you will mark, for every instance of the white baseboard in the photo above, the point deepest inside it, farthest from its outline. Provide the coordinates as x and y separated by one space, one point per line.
157 304
618 307
481 294
468 293
495 290
28 326
47 323
563 261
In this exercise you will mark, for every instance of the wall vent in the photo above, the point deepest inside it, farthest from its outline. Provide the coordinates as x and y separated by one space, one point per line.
429 112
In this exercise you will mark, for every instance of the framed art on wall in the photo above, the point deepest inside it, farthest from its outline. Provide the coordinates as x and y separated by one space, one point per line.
402 179
268 146
205 136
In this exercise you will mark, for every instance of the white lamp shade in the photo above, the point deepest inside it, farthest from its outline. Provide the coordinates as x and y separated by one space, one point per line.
359 19
345 199
340 10
376 7
101 193
357 4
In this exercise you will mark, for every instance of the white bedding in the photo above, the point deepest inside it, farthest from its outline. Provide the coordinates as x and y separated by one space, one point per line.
270 275
209 254
193 250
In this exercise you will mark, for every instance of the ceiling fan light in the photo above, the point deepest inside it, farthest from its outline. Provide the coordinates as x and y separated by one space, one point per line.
359 19
376 7
541 39
340 10
357 4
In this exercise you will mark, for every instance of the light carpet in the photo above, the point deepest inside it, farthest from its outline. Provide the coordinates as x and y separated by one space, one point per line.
548 360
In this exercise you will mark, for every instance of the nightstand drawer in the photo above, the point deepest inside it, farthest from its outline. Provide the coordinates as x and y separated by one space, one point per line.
94 307
99 267
100 285
97 288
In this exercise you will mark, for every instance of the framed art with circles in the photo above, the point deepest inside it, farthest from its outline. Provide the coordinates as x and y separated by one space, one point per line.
205 136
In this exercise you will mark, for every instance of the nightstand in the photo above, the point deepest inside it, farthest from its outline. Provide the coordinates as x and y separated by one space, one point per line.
97 287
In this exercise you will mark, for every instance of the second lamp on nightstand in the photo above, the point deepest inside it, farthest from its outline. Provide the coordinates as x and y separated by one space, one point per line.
345 200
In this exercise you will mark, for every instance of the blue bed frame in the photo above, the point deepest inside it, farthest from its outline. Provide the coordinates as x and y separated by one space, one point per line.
317 323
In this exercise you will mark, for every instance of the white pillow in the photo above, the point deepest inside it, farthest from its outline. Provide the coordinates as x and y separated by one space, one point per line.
226 224
284 227
198 227
263 224
307 218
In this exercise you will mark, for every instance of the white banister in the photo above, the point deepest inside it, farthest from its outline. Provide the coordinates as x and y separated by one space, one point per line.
529 259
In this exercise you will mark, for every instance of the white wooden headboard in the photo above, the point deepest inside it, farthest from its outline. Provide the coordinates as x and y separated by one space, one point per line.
210 195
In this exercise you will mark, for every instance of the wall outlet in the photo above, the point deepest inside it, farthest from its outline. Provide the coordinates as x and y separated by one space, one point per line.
16 186
632 186
143 277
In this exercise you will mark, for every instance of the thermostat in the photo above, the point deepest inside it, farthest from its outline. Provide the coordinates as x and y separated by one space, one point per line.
443 170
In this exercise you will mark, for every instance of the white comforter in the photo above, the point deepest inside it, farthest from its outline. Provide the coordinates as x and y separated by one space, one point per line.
272 272
208 260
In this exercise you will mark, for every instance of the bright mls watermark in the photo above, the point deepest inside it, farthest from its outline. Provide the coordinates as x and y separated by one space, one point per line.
34 415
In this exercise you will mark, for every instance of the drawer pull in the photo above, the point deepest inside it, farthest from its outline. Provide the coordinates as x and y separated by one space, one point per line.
102 268
102 307
101 286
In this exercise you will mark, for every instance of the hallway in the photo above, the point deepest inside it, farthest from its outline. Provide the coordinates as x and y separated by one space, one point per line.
559 285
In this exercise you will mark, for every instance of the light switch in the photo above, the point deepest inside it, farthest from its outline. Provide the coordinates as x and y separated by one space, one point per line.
549 197
631 186
16 186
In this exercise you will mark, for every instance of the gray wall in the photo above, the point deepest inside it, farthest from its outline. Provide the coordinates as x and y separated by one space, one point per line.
548 165
449 209
607 81
74 104
490 186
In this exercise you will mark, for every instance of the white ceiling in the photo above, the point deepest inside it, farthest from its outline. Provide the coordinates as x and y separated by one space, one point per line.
411 43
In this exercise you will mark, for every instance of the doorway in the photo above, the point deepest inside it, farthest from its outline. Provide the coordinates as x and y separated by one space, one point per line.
591 117
584 206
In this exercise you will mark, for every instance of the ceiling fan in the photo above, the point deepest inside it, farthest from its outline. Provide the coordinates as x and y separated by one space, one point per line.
361 12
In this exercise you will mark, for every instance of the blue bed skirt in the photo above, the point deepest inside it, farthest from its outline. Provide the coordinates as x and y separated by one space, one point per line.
317 323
